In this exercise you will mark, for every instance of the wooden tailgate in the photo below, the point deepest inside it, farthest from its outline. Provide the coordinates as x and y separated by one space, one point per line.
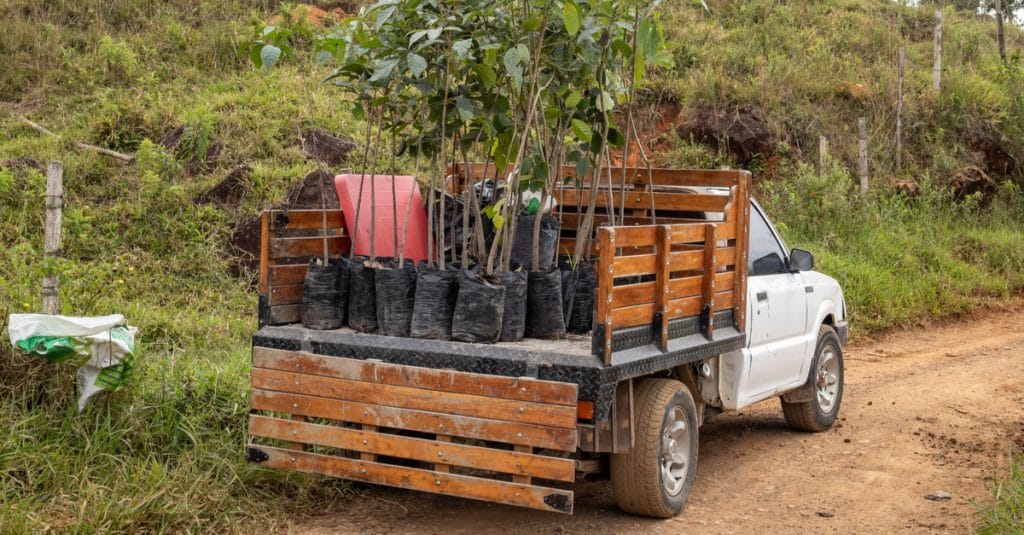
471 435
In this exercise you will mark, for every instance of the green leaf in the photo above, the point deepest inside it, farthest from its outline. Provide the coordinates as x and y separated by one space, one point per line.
417 64
323 57
434 33
532 24
416 36
571 17
384 15
382 69
486 74
499 221
573 99
269 55
512 66
465 108
582 130
461 47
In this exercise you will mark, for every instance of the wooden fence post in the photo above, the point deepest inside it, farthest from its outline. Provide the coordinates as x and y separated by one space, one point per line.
822 154
1000 36
51 245
862 168
899 111
937 70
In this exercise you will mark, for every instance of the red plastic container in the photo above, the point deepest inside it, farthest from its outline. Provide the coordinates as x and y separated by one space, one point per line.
384 236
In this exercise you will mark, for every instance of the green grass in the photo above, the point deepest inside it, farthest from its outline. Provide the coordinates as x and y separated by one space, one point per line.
165 454
1006 516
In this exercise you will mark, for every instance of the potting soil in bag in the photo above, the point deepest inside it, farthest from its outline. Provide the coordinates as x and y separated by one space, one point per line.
436 291
344 274
320 296
522 243
513 318
478 308
544 304
396 288
568 292
581 319
362 297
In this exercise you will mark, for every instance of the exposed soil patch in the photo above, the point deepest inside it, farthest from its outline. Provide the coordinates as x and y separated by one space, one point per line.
971 180
198 155
322 145
930 411
229 191
21 163
742 132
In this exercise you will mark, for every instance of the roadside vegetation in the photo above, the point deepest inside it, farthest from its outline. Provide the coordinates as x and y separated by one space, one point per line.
165 454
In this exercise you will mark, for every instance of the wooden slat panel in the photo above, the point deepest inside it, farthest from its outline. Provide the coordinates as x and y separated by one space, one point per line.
669 201
285 314
290 274
417 449
304 219
264 251
692 260
661 286
606 272
643 292
285 295
677 308
422 480
476 384
636 236
743 245
415 398
299 247
570 220
427 422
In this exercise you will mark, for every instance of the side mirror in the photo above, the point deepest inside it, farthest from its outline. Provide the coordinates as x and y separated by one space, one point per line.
769 264
801 260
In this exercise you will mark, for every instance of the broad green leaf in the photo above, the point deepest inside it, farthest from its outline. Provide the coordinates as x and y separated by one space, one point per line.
434 33
582 130
461 47
486 74
269 55
416 36
571 17
323 57
384 15
267 30
466 109
417 64
573 99
499 221
512 67
382 69
523 53
532 24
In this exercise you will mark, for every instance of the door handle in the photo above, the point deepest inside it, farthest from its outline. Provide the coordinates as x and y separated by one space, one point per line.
762 296
809 289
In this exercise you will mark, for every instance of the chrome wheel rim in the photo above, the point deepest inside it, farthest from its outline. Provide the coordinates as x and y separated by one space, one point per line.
828 379
675 452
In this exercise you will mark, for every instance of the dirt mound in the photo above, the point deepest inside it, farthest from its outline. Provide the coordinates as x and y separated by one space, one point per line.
322 145
996 157
743 132
230 190
971 180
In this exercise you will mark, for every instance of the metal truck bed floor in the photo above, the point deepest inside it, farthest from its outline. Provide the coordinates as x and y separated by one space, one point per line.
568 360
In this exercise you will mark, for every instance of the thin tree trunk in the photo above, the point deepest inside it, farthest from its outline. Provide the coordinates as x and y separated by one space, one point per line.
362 179
1000 36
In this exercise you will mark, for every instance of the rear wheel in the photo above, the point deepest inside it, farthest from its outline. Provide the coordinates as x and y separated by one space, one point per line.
820 410
655 477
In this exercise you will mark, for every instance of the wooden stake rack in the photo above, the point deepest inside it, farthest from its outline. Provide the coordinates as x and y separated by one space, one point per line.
471 435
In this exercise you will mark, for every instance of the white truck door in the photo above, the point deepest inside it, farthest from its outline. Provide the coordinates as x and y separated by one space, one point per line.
777 313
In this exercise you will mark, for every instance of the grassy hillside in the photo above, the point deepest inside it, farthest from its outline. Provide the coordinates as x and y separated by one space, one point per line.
165 454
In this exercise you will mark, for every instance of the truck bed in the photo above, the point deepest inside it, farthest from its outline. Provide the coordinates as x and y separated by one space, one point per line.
568 360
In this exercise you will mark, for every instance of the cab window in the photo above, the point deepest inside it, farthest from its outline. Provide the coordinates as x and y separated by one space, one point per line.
766 255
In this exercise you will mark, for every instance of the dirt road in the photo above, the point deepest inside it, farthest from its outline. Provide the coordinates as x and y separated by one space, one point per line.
936 409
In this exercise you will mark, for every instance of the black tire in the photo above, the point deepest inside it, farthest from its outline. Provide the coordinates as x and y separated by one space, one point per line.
816 414
637 477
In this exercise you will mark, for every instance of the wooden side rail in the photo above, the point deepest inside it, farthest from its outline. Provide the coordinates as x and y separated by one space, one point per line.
289 239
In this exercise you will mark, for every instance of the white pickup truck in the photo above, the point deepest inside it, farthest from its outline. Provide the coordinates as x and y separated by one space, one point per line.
699 308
